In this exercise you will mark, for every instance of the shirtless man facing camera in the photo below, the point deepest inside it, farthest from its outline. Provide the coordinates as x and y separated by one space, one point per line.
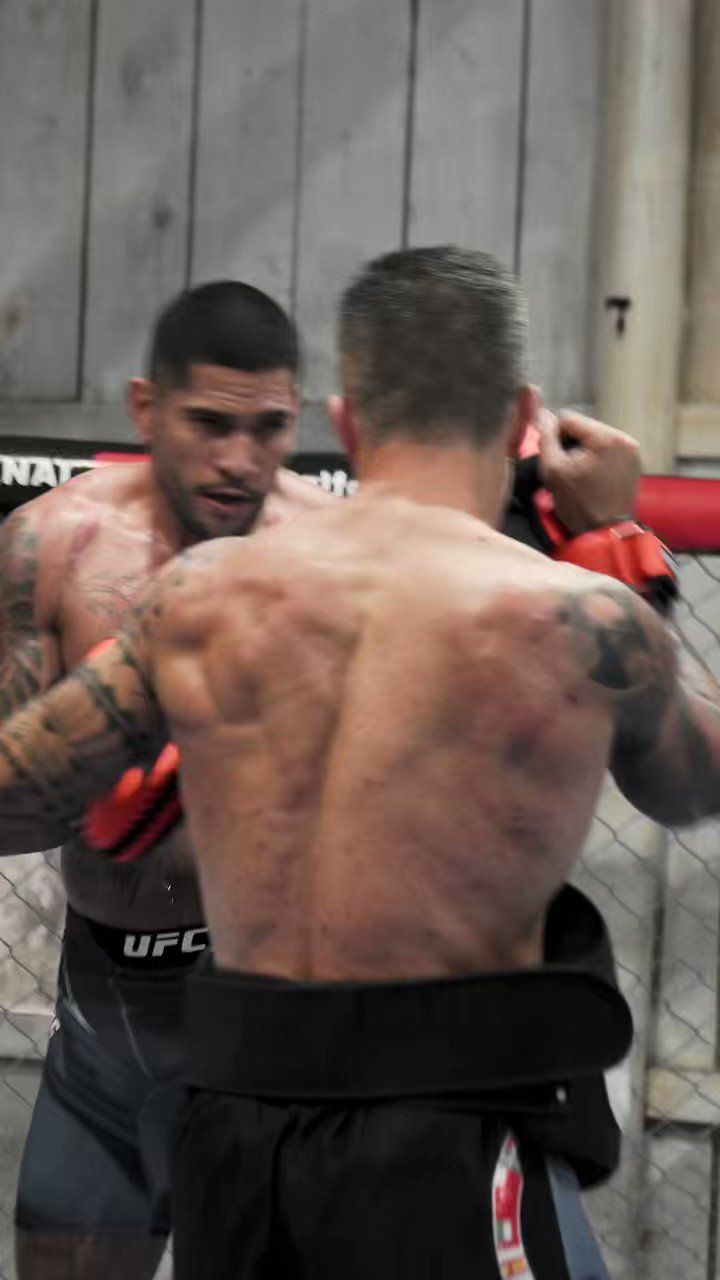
393 723
217 410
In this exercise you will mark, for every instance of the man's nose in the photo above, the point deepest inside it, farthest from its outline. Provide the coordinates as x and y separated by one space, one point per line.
238 457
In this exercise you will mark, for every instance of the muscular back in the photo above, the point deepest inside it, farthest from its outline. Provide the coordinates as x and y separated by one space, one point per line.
394 734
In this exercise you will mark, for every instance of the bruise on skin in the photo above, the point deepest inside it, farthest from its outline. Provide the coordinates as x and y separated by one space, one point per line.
82 538
519 749
526 735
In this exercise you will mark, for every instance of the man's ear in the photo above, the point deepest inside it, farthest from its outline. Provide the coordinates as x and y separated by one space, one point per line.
141 398
341 415
523 414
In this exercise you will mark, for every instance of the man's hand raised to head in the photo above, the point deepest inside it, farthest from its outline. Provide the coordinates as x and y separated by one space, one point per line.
591 470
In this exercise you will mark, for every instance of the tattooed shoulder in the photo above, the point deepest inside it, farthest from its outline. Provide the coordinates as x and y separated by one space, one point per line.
180 582
21 649
19 562
620 644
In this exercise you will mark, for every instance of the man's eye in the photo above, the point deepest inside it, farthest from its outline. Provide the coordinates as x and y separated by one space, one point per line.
209 421
272 423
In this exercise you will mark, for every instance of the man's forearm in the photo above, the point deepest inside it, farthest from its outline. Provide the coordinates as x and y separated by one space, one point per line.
31 809
53 756
674 777
695 675
700 721
69 746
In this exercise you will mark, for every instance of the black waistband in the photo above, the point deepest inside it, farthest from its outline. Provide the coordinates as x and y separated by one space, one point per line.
147 950
308 1041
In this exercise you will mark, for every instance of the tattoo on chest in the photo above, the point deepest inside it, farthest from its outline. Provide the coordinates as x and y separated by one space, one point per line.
109 600
163 591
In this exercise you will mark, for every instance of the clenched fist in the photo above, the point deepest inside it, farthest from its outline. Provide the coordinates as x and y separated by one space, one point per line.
591 470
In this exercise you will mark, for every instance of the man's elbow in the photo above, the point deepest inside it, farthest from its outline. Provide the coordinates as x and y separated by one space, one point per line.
671 805
26 834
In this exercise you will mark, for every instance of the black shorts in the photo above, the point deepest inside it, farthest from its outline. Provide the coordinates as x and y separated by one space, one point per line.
371 1192
97 1156
384 1132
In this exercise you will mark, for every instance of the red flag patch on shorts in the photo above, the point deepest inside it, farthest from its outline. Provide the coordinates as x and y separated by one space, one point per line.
507 1189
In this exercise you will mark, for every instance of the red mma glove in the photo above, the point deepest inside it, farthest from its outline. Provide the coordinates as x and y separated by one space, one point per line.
625 550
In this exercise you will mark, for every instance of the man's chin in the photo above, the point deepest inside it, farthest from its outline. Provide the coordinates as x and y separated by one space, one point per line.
230 524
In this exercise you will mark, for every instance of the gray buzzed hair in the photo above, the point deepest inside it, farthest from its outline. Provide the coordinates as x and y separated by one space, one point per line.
433 344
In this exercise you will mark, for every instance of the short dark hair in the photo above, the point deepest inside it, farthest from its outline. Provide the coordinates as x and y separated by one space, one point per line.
226 323
433 342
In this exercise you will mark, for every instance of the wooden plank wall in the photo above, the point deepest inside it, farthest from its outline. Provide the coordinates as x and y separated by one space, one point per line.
245 188
138 209
351 158
156 143
45 56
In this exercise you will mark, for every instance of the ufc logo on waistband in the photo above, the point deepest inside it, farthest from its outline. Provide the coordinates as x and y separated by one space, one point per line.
142 946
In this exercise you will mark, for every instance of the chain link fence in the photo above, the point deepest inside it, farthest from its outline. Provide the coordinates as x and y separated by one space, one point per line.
658 1218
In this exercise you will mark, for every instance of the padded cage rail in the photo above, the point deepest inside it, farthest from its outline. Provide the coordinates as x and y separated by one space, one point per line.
684 512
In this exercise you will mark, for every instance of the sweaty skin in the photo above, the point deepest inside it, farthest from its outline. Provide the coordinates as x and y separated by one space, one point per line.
73 563
393 722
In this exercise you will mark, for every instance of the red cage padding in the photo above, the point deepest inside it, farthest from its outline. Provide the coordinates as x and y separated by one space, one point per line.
683 511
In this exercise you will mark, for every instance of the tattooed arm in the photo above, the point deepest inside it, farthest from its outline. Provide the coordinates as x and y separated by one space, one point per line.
68 746
666 748
71 744
29 651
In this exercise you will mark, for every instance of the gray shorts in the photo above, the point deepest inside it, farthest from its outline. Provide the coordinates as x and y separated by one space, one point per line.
97 1155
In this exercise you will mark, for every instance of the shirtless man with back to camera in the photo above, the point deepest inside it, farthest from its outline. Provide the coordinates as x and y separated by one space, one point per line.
393 725
217 412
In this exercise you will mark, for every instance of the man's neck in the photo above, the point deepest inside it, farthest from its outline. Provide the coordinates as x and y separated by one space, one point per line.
452 475
165 524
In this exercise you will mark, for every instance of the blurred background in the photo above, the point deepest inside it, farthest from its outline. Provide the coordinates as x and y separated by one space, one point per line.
148 144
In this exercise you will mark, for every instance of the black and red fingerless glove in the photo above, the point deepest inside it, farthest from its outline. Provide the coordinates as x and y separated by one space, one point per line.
626 550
